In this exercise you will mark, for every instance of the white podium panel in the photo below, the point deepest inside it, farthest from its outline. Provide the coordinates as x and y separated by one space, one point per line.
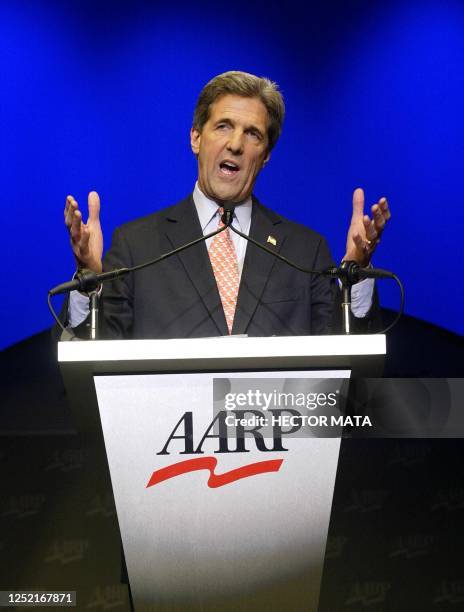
186 543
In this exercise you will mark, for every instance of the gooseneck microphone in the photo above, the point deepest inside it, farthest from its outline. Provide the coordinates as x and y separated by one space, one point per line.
228 214
87 281
352 272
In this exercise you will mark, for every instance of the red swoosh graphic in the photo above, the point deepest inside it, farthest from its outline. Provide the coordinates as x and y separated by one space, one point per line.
209 463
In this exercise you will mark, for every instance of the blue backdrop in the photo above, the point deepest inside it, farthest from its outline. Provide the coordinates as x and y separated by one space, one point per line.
100 96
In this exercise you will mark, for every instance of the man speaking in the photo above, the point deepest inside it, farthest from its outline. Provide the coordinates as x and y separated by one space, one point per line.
226 285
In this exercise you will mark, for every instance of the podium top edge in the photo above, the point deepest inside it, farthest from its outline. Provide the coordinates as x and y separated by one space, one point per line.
221 347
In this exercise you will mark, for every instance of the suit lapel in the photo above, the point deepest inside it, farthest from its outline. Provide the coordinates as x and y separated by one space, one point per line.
266 228
182 226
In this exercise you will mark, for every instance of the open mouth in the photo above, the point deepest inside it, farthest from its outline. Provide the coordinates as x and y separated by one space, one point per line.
229 168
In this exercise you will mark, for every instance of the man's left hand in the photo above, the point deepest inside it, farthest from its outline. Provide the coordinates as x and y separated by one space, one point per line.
364 233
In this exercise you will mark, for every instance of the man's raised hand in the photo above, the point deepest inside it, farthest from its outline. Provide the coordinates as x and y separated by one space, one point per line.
364 233
86 238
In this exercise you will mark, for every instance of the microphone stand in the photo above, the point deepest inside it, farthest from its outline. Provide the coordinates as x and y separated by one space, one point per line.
94 302
346 307
346 302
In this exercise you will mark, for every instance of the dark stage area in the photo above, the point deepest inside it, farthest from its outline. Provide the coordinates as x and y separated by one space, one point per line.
395 538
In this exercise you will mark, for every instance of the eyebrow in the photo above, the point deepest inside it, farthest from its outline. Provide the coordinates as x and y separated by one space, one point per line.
224 120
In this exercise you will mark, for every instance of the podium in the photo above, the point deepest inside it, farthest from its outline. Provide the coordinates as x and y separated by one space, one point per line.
223 500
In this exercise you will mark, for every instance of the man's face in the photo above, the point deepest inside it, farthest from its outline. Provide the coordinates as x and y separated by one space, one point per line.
231 148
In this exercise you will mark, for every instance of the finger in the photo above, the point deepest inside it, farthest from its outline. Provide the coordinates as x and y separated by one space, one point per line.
84 241
70 208
66 205
378 217
383 203
358 202
67 208
370 229
76 226
94 206
366 246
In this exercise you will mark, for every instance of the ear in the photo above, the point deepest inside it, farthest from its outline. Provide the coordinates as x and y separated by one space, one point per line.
266 159
195 138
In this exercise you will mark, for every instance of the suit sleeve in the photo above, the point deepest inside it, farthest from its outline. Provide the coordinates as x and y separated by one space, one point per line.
324 292
117 303
326 305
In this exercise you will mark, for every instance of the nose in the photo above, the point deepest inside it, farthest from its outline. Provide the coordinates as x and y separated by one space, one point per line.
235 143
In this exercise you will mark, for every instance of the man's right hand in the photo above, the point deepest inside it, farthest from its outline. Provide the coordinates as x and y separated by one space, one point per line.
86 238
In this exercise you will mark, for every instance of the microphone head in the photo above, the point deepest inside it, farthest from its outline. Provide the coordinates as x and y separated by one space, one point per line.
228 214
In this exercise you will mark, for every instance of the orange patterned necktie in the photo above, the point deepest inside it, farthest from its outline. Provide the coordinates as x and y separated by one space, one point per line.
225 267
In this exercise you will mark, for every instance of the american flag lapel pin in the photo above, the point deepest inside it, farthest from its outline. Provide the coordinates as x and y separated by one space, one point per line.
272 240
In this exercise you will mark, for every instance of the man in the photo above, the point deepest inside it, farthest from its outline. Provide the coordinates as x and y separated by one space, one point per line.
227 286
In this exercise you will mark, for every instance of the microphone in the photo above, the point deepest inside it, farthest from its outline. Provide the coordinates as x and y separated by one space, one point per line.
87 281
228 214
351 272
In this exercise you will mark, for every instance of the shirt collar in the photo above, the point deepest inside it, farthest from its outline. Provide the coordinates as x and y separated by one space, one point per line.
207 209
